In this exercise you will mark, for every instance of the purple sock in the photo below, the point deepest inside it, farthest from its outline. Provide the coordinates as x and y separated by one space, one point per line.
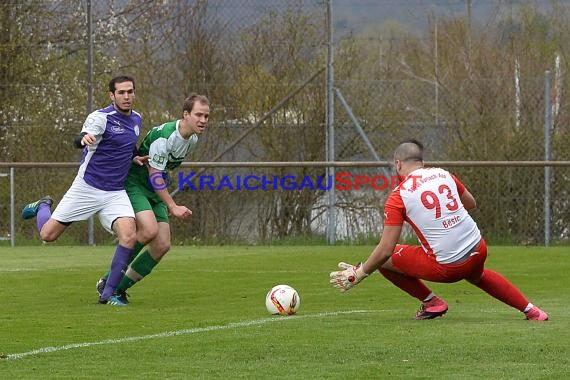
43 215
118 267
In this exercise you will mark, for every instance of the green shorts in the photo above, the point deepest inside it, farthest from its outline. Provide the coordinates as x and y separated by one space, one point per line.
143 199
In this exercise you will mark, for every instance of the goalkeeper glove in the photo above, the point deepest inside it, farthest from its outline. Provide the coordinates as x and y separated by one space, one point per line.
349 276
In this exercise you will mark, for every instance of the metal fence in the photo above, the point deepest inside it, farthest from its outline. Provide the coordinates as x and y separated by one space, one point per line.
274 203
299 80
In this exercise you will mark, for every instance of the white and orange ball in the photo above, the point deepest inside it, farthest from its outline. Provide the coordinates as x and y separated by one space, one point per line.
282 300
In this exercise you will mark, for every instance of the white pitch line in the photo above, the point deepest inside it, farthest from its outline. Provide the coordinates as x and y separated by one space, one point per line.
167 334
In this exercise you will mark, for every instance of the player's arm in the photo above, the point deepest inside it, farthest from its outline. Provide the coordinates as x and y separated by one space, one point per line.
84 139
93 128
351 275
384 249
158 153
160 187
78 140
465 196
468 200
394 214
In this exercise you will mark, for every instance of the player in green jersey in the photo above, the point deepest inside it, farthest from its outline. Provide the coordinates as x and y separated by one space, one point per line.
166 145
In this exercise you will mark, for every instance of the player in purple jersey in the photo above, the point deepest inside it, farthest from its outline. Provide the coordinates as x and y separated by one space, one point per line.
167 146
108 138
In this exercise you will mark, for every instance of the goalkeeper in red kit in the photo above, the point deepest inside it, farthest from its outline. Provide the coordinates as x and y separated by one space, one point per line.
435 204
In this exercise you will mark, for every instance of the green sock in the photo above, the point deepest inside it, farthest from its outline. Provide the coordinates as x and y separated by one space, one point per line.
143 265
138 247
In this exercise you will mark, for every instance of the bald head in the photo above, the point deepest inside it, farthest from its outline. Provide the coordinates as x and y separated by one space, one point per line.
409 150
408 156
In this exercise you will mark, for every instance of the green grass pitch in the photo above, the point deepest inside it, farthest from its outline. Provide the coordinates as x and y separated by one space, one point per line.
201 315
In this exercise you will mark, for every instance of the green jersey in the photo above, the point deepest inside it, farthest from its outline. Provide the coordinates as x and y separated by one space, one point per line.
166 149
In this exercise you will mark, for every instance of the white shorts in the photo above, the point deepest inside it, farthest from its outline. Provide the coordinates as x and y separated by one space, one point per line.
81 201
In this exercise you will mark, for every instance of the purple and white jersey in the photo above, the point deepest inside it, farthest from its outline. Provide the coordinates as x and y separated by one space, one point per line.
106 163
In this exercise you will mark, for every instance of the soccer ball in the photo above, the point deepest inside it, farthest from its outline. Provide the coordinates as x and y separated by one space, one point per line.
282 300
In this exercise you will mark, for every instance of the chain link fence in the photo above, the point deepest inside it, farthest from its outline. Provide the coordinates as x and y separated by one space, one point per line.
470 89
257 205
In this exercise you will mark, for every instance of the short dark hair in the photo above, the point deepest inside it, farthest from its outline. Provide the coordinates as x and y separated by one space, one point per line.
120 79
192 99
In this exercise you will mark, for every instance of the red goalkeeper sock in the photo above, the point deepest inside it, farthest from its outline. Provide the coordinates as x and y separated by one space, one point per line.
502 289
413 286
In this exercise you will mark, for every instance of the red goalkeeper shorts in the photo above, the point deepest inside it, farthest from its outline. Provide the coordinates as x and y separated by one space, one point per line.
415 262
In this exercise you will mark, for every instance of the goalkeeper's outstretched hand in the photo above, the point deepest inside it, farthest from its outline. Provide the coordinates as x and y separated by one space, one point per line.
349 276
